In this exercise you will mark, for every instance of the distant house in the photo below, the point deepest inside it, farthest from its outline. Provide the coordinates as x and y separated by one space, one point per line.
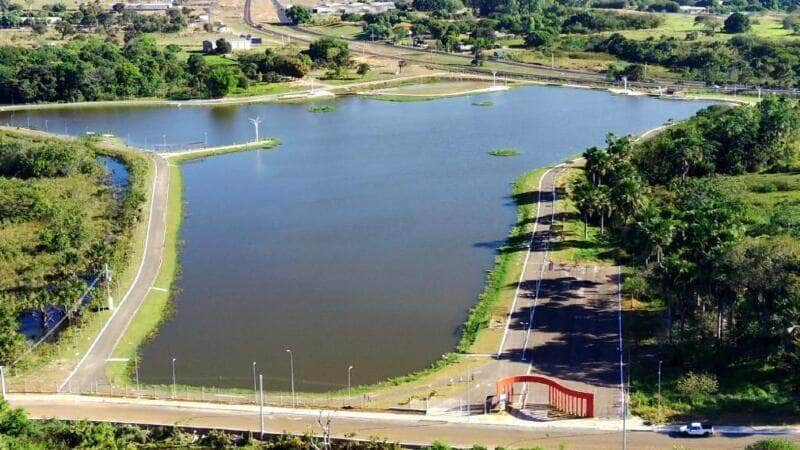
152 5
239 44
350 7
255 41
692 9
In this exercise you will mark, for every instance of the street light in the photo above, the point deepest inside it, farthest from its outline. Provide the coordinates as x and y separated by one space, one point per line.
261 404
659 389
255 387
291 371
173 378
349 389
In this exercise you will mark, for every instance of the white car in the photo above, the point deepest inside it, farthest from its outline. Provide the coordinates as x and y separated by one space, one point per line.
696 429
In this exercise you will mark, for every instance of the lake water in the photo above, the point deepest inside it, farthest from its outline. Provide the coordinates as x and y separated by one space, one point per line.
363 240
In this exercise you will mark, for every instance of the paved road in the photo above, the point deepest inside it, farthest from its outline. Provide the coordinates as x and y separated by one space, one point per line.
392 427
90 370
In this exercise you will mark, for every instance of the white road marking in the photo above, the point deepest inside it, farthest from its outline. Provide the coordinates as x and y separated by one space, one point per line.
135 280
527 256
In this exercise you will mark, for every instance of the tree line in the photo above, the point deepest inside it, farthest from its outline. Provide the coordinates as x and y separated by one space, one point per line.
741 60
90 69
730 290
91 17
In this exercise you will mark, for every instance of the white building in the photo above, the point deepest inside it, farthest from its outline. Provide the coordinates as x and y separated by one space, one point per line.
347 7
153 5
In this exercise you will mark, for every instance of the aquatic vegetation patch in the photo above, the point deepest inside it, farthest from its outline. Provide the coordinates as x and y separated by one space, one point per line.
505 152
321 108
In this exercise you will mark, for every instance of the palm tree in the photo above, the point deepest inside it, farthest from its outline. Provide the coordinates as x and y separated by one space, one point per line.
603 204
583 196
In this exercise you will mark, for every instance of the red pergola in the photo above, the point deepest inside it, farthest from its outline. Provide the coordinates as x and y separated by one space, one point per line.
562 398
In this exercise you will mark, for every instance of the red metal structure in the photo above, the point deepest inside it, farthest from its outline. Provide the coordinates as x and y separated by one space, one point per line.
562 398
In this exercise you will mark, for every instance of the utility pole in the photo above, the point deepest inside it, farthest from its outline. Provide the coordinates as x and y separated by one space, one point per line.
349 389
108 288
659 389
261 404
256 122
255 387
3 380
136 370
291 372
469 405
174 390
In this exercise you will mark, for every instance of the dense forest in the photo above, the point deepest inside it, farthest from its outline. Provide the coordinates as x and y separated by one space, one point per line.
725 269
60 222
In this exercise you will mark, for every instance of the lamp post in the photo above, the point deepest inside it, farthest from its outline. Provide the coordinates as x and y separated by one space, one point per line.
136 370
349 388
291 372
255 386
174 387
261 404
659 389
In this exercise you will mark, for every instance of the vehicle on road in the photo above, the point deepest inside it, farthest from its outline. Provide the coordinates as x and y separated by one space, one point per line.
697 429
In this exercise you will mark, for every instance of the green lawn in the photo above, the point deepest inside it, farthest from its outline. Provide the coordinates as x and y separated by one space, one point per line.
343 29
574 244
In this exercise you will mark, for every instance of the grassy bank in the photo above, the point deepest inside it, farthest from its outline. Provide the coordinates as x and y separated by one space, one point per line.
483 328
180 157
575 244
50 362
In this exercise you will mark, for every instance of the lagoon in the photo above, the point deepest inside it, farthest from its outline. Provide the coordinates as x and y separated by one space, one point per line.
363 240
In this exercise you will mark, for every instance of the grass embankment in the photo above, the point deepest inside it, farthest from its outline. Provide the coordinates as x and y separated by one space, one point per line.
575 244
156 307
754 393
483 328
49 363
178 157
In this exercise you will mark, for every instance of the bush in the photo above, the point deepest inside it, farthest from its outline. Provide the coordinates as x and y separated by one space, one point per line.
773 444
696 385
737 23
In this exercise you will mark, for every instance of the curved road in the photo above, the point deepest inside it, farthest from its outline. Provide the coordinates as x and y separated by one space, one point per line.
90 370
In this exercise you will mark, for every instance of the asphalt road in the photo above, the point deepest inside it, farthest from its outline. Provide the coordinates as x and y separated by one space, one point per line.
90 370
392 427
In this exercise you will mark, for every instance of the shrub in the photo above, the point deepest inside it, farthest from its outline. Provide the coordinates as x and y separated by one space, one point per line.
737 23
773 444
695 385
